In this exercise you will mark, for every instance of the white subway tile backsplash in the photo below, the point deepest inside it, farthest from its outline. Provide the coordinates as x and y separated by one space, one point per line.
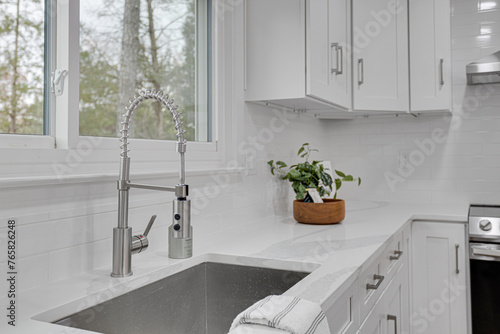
455 197
478 185
467 137
473 29
471 17
71 261
488 50
408 196
405 126
48 236
382 139
464 7
33 271
491 149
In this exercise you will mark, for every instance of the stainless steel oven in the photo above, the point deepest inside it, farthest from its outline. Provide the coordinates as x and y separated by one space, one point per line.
484 253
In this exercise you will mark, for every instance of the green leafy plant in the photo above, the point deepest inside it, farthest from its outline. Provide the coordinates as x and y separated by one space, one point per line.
310 174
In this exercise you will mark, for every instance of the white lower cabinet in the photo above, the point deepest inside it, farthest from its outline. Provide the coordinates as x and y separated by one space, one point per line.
417 284
343 316
439 293
397 304
390 314
375 322
385 303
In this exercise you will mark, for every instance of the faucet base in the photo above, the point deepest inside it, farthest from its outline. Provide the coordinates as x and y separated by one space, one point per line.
121 275
180 248
122 254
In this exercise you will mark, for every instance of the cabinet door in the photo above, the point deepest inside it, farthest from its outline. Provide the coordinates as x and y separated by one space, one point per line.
275 50
397 304
343 316
380 54
340 42
390 314
318 50
430 71
375 322
439 278
327 40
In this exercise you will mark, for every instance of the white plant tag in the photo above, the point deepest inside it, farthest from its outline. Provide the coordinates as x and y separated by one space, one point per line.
313 192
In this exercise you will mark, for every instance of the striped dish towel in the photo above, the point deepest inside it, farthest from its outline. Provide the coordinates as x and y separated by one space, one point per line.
294 315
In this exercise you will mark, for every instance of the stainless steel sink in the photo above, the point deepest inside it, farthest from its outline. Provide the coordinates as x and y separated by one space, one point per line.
203 299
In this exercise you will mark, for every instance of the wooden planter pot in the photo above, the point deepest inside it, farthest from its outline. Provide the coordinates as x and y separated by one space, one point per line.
332 211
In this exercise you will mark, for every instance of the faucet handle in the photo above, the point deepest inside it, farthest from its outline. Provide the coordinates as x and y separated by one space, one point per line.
150 224
140 241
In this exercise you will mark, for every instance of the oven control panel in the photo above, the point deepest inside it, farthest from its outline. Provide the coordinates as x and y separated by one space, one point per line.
484 222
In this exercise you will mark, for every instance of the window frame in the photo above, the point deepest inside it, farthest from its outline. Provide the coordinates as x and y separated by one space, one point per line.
72 137
64 110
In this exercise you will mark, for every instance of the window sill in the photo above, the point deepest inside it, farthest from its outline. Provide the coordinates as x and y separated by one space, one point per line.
17 182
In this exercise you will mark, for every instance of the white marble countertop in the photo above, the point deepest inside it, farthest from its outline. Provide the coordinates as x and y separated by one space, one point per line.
337 251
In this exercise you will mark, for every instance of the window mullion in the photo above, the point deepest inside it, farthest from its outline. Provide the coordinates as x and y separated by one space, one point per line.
67 55
49 65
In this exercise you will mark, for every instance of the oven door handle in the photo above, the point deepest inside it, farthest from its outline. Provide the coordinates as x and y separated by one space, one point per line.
485 252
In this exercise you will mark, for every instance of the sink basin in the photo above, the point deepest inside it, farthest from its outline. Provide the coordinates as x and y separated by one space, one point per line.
203 299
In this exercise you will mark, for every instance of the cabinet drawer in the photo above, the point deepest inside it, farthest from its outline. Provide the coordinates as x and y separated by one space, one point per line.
394 256
375 278
371 284
343 316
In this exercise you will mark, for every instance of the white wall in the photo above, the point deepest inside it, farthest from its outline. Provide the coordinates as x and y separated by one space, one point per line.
466 166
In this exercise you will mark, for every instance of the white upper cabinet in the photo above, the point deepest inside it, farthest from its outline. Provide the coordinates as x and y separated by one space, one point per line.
327 43
365 56
380 55
430 55
296 53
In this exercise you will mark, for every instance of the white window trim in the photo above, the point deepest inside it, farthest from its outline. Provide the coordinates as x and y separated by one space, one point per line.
14 141
65 140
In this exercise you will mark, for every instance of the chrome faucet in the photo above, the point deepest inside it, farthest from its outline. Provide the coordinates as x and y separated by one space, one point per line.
180 232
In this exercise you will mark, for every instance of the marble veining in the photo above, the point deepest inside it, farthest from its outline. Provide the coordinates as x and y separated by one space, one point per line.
315 290
318 248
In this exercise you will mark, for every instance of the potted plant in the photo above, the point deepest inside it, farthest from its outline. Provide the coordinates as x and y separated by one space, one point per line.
313 175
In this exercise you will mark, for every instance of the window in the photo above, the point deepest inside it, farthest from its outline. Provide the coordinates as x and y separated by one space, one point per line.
154 44
77 128
125 46
23 81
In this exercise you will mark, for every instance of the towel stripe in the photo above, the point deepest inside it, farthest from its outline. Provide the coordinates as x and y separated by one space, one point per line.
283 313
316 323
246 315
323 319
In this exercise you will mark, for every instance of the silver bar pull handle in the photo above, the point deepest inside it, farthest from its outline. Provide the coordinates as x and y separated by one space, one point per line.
391 317
457 271
341 70
441 72
379 279
336 52
485 252
396 256
361 71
